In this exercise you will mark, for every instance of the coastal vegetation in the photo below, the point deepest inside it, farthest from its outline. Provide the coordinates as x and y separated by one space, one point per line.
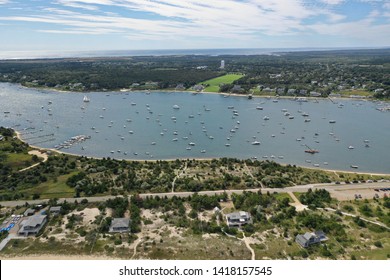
363 73
195 228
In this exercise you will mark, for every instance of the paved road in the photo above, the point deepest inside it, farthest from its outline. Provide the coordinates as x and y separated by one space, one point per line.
302 188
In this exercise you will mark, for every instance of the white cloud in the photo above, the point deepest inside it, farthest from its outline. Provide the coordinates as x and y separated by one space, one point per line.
333 2
4 2
242 20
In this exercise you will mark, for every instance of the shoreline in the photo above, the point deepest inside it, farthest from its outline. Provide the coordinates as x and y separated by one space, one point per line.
362 98
18 135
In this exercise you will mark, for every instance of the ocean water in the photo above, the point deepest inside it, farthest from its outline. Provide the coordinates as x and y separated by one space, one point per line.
138 125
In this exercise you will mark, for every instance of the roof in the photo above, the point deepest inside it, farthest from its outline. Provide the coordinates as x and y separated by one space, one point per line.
301 239
238 215
308 235
120 222
55 208
34 221
29 211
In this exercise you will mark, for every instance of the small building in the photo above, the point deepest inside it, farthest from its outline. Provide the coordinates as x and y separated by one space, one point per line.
32 225
180 87
237 89
29 212
55 210
310 238
120 225
238 219
315 94
291 91
198 88
302 92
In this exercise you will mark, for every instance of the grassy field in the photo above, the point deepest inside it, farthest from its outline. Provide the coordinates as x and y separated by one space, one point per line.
225 79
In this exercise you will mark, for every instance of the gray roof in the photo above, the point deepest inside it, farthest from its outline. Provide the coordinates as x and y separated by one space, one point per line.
120 222
238 215
34 221
29 211
55 208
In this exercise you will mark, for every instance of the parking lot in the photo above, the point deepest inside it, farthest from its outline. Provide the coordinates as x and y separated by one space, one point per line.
11 224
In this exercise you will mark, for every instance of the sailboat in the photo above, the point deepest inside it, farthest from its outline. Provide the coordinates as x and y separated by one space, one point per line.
86 99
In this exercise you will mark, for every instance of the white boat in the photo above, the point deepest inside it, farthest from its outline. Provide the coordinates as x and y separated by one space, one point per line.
255 143
175 139
176 107
266 118
351 147
227 144
86 99
191 144
259 108
203 151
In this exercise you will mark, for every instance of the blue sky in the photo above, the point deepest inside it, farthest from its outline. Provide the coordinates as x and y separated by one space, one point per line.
89 25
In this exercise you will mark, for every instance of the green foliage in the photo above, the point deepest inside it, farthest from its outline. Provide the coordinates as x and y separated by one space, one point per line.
119 206
316 198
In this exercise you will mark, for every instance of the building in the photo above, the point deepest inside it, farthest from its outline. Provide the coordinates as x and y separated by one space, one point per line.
120 225
222 64
32 225
29 212
310 238
55 210
180 87
315 94
198 88
238 219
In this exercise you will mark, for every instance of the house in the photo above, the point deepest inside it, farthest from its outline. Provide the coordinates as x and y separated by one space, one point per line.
303 92
321 235
55 210
291 91
29 212
280 91
198 88
180 87
237 88
310 238
238 219
120 225
32 225
315 94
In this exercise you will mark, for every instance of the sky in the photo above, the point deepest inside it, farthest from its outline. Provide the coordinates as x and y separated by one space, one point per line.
28 26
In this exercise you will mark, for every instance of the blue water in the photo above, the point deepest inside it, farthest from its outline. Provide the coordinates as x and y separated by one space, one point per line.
152 120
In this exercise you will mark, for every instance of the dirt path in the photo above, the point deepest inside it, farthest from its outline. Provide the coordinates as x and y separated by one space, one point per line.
178 175
297 204
38 154
246 241
253 177
354 216
139 241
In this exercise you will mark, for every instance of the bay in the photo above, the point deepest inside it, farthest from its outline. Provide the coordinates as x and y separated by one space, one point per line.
142 125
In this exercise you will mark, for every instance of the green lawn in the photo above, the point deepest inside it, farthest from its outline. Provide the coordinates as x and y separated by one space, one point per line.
51 189
18 161
225 79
